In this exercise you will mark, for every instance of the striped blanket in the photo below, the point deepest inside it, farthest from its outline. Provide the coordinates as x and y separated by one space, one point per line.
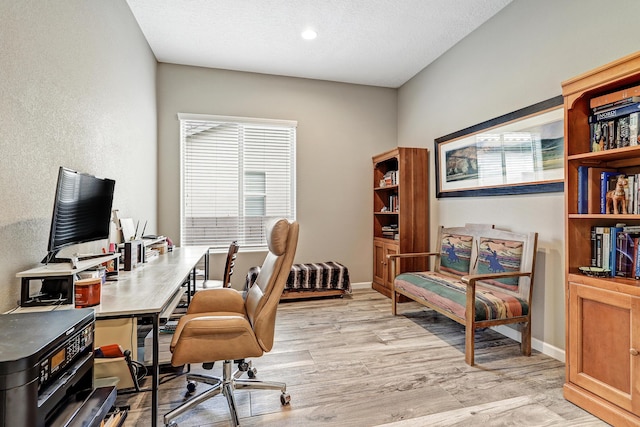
312 277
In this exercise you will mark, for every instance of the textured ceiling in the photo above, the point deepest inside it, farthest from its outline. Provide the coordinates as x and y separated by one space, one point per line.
371 42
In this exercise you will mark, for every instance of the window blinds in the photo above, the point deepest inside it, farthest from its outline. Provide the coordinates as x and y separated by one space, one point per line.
237 173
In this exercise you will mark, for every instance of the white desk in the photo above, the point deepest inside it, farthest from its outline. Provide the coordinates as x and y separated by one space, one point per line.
149 287
146 291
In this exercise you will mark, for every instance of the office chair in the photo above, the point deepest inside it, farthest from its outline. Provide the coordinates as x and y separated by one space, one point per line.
222 325
228 269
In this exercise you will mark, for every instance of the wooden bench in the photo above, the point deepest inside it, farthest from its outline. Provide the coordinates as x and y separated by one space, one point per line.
481 277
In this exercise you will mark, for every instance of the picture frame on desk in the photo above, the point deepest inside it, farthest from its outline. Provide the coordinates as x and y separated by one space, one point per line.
518 153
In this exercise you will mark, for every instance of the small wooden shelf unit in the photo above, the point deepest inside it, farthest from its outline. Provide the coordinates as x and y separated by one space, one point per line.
602 314
400 212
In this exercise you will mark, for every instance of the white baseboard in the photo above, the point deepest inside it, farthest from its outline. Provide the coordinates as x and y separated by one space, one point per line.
541 346
361 285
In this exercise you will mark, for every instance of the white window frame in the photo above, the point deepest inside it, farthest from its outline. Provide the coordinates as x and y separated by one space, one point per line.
247 229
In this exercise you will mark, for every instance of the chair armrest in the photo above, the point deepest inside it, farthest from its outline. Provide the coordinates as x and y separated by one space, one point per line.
216 300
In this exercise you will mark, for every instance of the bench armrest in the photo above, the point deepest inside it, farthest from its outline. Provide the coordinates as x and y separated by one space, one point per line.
412 255
471 279
393 257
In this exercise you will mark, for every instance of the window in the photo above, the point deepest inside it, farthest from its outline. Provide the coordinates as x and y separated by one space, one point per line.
237 173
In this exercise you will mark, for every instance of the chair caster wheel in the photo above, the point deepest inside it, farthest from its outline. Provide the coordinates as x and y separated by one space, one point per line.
172 424
243 366
251 373
285 398
191 387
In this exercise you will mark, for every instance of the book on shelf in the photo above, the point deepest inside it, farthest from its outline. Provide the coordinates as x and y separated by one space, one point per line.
596 255
393 203
612 97
630 193
583 181
615 104
390 231
636 257
622 132
603 135
613 250
594 248
625 254
633 129
593 188
621 111
389 178
605 233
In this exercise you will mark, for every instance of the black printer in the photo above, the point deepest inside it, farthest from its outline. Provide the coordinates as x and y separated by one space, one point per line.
46 365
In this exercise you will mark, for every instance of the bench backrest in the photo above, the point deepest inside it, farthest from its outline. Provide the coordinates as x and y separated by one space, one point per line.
482 249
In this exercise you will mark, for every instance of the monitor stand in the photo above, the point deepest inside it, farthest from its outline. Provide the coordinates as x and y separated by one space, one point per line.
52 259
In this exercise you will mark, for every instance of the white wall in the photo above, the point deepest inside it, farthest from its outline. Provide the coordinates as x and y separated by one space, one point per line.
518 58
77 89
340 127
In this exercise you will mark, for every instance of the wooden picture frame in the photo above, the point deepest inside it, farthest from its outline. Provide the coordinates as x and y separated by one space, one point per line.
518 153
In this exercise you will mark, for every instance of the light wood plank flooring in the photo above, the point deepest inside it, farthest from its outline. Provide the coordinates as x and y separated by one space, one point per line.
349 362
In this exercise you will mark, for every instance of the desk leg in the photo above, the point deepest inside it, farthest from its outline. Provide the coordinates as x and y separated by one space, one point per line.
155 370
206 265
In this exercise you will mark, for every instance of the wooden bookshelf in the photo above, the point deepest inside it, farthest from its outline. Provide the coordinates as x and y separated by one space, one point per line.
400 203
602 314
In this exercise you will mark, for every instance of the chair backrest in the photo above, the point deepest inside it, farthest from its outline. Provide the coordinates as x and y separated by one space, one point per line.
230 263
263 297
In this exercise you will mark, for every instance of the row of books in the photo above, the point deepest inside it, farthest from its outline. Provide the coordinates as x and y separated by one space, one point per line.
389 178
616 249
393 203
614 122
595 182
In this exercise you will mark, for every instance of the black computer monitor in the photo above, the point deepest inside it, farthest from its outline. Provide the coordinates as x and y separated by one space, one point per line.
81 211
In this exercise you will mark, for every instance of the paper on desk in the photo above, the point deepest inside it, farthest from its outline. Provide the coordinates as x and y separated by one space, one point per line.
128 229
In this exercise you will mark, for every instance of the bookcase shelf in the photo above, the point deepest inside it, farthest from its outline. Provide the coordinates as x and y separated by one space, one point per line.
606 217
400 209
602 313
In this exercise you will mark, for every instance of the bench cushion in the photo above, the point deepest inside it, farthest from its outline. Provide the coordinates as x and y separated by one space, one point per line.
449 293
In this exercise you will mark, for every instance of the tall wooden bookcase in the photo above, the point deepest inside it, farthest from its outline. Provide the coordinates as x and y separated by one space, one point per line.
602 314
400 211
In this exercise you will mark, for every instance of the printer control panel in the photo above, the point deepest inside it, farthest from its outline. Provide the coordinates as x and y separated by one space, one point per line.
57 360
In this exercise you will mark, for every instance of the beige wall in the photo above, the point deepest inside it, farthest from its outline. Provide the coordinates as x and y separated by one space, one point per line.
340 127
77 88
79 84
516 59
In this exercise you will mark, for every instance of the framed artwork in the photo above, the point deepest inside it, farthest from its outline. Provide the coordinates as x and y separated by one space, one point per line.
519 153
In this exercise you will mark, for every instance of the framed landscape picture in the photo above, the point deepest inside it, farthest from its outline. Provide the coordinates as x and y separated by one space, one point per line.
519 153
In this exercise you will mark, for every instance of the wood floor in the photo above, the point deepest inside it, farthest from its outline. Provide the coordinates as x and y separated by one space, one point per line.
349 362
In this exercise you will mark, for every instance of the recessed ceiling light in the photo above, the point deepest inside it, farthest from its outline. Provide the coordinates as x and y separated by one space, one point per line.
309 34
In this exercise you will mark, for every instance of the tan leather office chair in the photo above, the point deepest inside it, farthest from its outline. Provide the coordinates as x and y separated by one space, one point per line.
228 269
221 325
